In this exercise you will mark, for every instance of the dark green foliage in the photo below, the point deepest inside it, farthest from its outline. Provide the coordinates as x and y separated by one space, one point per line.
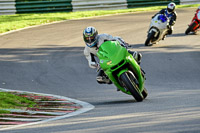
146 3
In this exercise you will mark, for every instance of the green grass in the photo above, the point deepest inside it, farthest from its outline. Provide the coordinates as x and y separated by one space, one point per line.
18 21
11 101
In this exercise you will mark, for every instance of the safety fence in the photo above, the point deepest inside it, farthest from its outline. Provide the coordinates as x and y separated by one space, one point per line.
30 6
82 5
184 2
7 7
36 6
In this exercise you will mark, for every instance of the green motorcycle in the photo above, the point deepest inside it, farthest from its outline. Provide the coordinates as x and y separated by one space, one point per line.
122 69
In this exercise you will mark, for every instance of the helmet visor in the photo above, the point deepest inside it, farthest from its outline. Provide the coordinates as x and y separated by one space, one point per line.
170 10
90 39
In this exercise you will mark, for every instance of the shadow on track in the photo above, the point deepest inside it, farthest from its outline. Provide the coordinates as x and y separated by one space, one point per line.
177 35
115 102
141 45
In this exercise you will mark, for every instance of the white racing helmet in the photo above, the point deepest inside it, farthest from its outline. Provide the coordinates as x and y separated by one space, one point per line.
171 7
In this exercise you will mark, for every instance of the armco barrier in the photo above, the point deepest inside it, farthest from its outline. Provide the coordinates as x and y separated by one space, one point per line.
33 6
145 3
186 2
7 7
26 6
82 5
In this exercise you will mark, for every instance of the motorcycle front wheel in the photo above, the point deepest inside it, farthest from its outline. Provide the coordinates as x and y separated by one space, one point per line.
130 83
190 28
149 38
144 93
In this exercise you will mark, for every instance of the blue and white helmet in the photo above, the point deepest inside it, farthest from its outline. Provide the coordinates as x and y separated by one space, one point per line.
90 36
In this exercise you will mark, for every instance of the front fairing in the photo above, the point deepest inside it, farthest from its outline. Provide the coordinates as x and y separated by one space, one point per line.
196 20
159 22
110 53
114 60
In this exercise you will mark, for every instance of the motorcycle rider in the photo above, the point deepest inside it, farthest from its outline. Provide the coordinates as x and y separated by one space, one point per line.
197 14
170 13
93 40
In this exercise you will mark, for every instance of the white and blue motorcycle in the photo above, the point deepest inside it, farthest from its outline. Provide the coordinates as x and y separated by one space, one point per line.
157 30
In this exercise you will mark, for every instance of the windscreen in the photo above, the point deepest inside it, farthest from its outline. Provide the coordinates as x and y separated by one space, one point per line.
162 18
111 50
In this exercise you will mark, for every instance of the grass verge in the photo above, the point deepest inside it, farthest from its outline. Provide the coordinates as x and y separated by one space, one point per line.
11 101
18 21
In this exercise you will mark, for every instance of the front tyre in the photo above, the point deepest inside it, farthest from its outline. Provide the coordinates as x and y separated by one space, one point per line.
149 38
129 81
144 93
190 28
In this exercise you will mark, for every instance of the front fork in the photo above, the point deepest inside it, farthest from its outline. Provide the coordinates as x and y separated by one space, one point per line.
155 30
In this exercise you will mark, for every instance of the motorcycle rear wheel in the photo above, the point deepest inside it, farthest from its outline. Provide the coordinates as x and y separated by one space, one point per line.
129 82
190 28
149 38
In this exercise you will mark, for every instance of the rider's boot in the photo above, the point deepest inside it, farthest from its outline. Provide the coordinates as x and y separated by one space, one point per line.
164 37
102 78
170 30
137 56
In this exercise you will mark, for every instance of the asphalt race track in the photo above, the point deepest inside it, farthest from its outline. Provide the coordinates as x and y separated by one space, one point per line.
49 59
